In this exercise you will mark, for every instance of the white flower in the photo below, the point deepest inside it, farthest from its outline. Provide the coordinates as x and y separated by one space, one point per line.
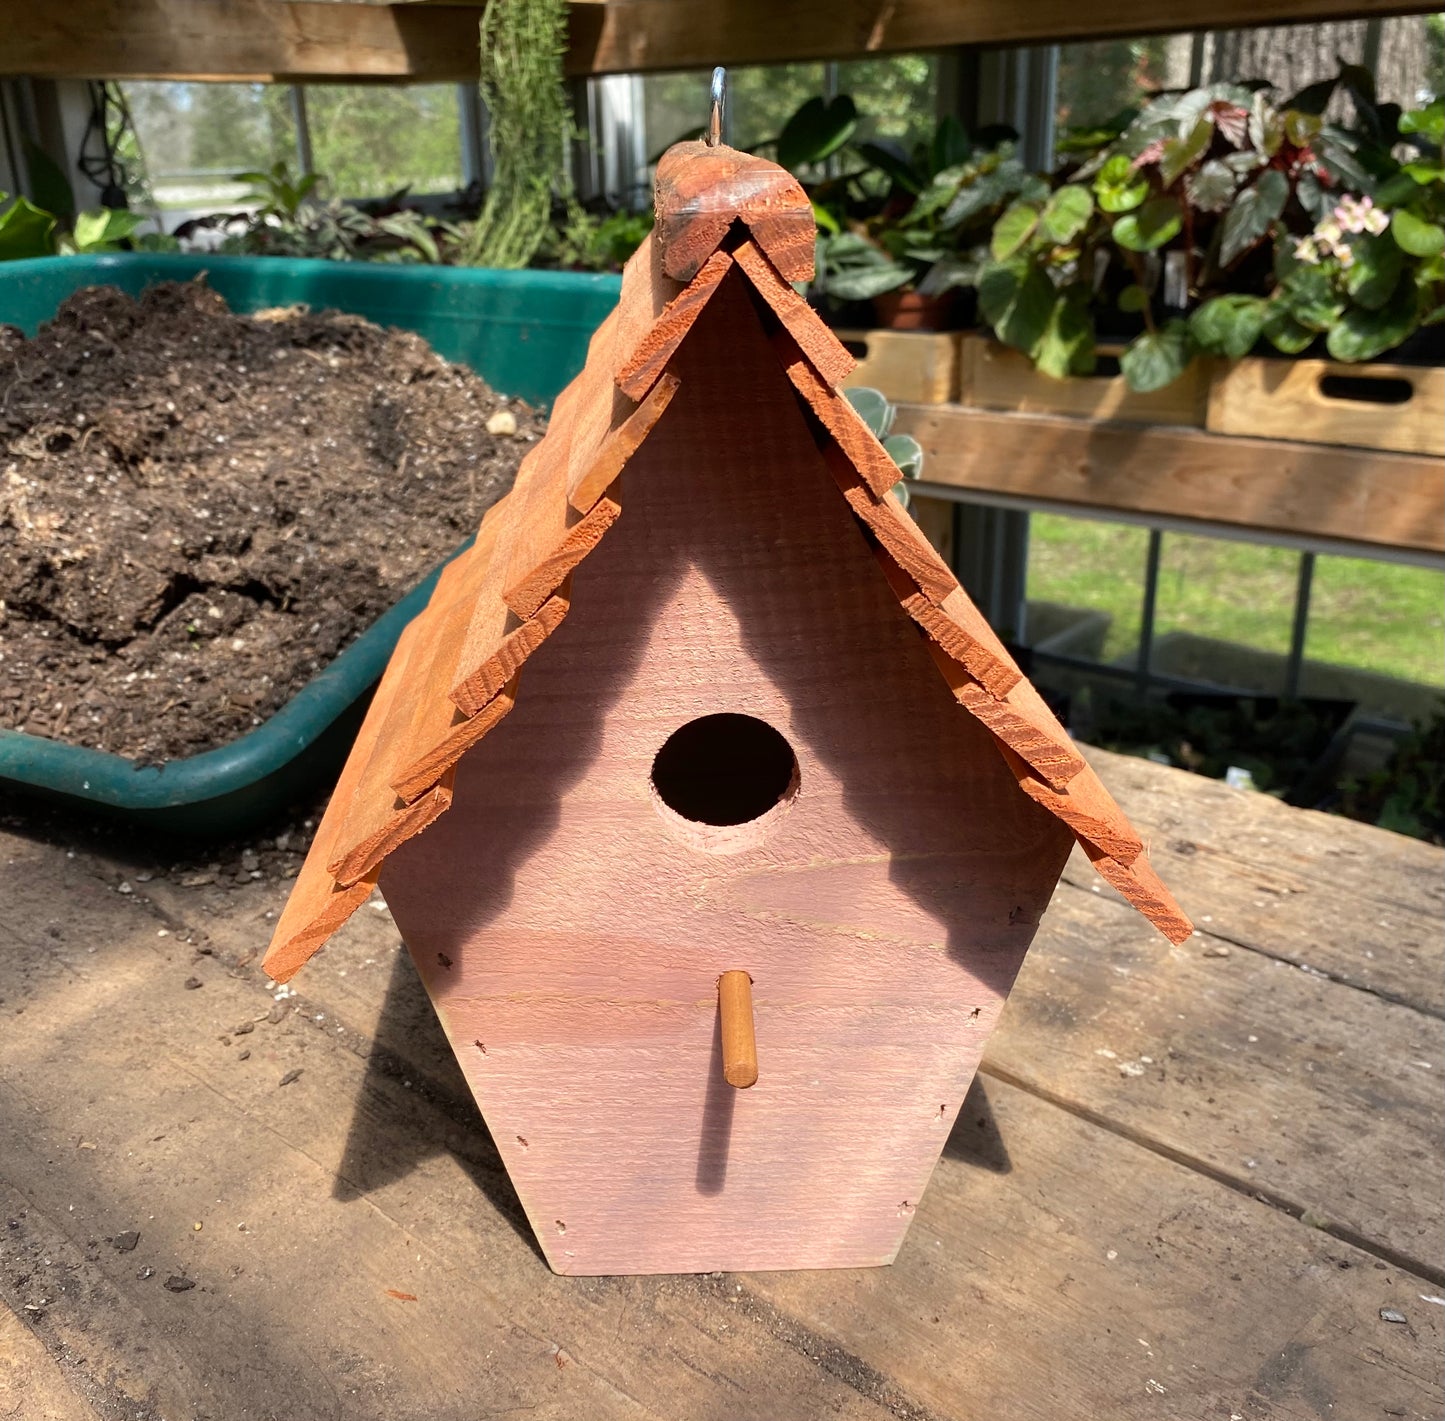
1305 250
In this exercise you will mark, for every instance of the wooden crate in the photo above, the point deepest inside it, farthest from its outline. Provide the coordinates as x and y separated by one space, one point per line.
994 377
920 367
1377 498
1393 407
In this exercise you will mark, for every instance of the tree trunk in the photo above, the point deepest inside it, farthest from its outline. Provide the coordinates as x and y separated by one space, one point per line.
1291 56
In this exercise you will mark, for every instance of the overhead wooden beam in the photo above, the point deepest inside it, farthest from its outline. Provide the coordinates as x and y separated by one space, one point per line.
629 35
237 40
284 40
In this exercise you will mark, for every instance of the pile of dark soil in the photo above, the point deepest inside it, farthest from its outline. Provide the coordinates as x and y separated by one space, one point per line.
199 510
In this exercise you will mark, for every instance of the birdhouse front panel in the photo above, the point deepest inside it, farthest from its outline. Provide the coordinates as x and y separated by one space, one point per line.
736 754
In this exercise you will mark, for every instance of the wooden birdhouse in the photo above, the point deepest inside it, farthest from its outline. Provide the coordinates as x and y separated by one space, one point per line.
700 770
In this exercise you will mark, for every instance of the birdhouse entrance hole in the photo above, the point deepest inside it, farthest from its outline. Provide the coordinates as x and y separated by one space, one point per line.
723 773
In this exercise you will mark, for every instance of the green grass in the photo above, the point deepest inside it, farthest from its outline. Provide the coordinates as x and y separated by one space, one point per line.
1374 615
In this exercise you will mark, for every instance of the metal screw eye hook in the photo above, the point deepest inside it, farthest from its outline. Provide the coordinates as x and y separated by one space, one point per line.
719 104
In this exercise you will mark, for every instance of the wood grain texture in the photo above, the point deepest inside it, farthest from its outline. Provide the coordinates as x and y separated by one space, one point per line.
548 570
957 630
992 376
360 860
1318 891
496 605
1051 1239
432 763
649 355
424 733
1056 1269
700 191
995 675
631 35
824 351
254 40
869 459
516 642
1085 807
897 534
918 366
1025 725
320 1201
419 740
317 905
1316 1095
1276 485
589 480
265 40
881 919
1292 399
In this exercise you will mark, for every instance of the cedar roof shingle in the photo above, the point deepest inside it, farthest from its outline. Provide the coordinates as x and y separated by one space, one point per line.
457 668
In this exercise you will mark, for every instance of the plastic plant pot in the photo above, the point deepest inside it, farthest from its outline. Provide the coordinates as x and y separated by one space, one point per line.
524 332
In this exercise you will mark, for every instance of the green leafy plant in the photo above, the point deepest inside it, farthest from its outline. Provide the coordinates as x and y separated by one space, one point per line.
878 413
1216 219
102 230
276 193
289 219
522 45
585 241
30 231
896 219
25 230
1408 795
818 129
337 231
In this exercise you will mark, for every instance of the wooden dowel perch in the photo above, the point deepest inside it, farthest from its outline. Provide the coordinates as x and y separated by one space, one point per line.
739 1045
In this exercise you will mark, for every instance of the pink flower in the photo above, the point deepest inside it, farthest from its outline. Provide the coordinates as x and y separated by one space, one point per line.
1359 214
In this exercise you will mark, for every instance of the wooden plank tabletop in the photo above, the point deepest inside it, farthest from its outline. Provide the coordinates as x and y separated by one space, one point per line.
1189 1183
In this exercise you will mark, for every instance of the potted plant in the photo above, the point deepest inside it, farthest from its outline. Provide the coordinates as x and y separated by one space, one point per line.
902 229
1216 219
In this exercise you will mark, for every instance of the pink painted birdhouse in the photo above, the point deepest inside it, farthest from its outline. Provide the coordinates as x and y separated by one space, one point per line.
716 819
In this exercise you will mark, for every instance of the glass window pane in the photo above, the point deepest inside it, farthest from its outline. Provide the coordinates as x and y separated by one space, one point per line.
760 100
1084 570
897 96
1380 617
1220 605
674 107
370 140
194 138
763 97
1099 78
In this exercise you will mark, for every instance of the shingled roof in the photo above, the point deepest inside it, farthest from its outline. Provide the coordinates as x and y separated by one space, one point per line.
454 674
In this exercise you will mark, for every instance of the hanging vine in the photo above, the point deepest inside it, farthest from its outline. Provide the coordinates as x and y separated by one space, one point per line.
522 42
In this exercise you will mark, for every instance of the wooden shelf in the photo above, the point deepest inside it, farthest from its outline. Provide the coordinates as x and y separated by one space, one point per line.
272 40
1318 492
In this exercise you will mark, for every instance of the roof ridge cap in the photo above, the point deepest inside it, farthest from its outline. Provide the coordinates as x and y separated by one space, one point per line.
701 189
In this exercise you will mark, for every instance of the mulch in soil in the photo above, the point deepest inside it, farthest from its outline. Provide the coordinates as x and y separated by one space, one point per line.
199 510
